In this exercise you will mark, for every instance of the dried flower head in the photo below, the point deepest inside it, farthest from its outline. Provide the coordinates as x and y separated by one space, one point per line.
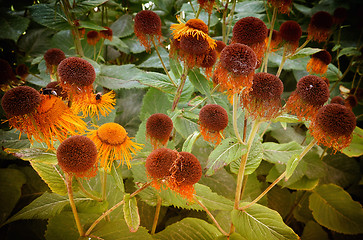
207 61
351 101
76 76
320 26
290 32
283 6
339 15
236 68
338 100
147 26
213 119
52 58
311 93
207 5
264 100
333 126
252 32
185 172
22 71
159 163
55 86
275 40
77 155
319 62
107 33
220 46
113 144
93 37
158 129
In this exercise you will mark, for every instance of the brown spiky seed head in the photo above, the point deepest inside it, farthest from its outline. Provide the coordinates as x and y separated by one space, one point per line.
77 154
238 59
159 162
194 44
338 100
213 117
54 56
76 71
249 30
323 56
20 101
336 120
220 46
313 90
197 24
107 33
147 22
351 101
266 86
209 59
159 126
22 70
322 20
290 31
188 169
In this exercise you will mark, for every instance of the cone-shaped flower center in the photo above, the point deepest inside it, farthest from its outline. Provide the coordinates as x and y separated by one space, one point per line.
112 134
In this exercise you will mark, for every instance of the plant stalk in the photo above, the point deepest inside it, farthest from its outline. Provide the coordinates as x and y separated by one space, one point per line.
235 110
73 205
265 62
179 91
90 195
157 214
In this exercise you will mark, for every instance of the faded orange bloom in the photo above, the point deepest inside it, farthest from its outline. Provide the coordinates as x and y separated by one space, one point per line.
319 62
213 119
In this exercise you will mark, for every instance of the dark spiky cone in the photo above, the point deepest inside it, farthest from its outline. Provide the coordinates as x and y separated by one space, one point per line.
276 40
186 171
338 100
220 46
320 26
213 119
252 32
93 37
159 163
147 26
283 6
21 100
339 15
158 129
236 68
264 101
319 62
78 155
52 58
290 32
22 71
207 62
311 93
207 5
333 126
351 101
107 33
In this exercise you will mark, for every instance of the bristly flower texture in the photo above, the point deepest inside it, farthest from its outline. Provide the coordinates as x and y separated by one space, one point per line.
235 69
77 155
320 26
93 37
252 32
333 126
311 93
52 58
276 40
290 32
319 62
147 26
45 117
192 44
213 119
178 171
158 129
283 6
107 33
113 144
264 101
207 5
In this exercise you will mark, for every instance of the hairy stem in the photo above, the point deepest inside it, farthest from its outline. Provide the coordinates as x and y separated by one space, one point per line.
265 62
283 60
73 205
157 214
224 37
235 110
230 17
179 91
90 195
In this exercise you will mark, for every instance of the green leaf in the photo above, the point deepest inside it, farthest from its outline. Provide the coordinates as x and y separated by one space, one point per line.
290 134
334 209
153 60
250 6
10 139
281 200
189 229
64 41
280 153
154 102
176 68
184 126
314 231
11 182
229 150
134 45
233 236
46 15
42 155
51 176
286 118
131 213
212 200
119 76
123 26
119 44
189 142
200 82
157 80
260 222
349 52
305 52
291 165
83 7
12 26
355 147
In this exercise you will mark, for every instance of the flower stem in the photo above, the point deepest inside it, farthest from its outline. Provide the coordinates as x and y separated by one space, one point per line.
73 205
114 207
265 63
86 192
179 91
199 10
157 214
283 60
191 4
211 216
162 62
230 17
225 37
235 109
302 154
104 184
242 166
